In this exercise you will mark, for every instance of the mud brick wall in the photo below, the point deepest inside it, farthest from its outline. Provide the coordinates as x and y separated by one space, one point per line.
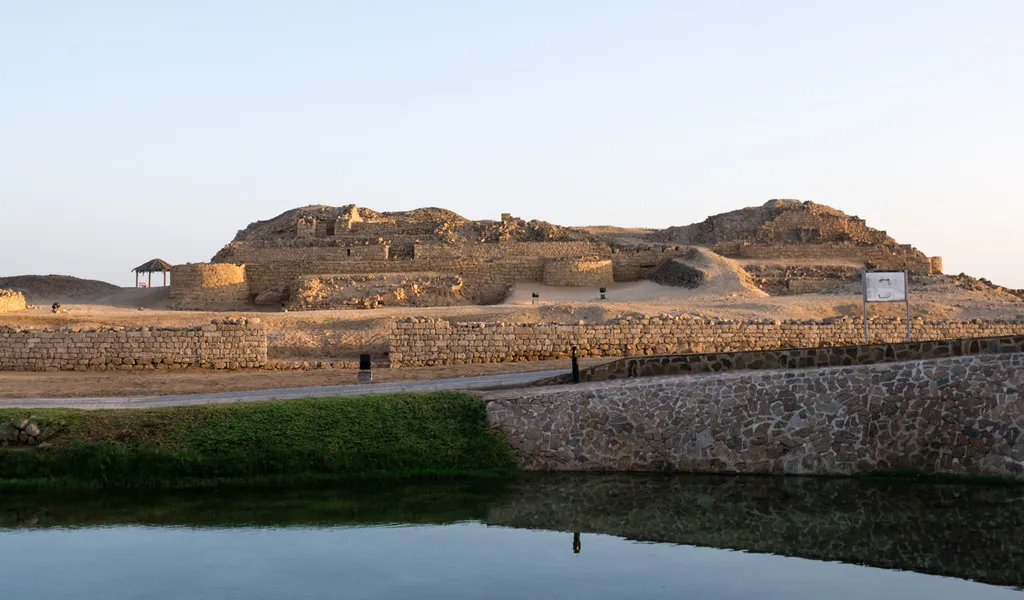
426 342
961 415
578 272
11 301
222 344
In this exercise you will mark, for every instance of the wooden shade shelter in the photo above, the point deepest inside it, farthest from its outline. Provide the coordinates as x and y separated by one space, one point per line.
153 266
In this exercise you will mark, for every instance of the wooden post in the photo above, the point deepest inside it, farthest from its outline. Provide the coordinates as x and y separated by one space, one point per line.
165 278
150 284
136 279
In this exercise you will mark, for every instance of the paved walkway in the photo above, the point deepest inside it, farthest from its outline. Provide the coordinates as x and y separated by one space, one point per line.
485 382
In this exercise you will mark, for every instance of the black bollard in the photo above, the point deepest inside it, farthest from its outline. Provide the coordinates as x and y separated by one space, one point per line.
602 294
575 365
534 298
576 545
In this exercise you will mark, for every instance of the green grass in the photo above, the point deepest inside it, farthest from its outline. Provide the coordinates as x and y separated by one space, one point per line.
295 441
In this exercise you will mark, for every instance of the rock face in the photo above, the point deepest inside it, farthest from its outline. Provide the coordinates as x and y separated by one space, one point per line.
958 415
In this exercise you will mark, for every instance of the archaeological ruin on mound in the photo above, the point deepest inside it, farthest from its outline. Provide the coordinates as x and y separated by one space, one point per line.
322 257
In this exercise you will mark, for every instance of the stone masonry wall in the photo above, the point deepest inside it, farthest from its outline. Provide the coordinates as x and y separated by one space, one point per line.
961 415
208 285
883 257
426 342
510 250
11 301
789 358
578 272
329 292
219 345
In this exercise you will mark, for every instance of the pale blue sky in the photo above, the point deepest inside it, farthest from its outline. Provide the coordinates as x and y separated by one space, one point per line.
132 130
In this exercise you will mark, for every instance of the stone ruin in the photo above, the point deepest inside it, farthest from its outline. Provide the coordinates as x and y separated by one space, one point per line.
11 301
269 261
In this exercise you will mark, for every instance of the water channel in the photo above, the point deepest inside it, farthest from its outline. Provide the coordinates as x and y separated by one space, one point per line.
544 536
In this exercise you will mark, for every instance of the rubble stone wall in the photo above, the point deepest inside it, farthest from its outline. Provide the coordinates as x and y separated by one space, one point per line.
327 292
634 265
897 257
219 345
961 415
578 272
426 342
11 301
208 285
249 253
510 250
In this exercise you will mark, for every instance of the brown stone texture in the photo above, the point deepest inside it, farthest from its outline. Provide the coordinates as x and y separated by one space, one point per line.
222 344
325 292
960 415
788 279
208 285
418 342
11 301
578 272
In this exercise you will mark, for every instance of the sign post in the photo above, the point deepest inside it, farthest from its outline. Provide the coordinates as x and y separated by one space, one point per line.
885 286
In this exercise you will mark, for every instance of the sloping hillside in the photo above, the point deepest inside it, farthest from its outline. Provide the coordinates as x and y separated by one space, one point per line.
44 289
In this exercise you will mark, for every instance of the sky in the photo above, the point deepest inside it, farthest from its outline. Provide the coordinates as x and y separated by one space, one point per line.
134 130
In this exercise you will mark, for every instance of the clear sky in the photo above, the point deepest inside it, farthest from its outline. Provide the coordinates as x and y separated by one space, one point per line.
132 130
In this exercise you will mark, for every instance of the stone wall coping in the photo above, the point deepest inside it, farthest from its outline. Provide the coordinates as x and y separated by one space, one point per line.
219 323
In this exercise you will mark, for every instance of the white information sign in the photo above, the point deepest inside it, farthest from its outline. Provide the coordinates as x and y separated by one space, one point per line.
885 286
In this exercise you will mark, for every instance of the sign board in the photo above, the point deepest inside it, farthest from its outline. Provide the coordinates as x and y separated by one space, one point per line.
885 286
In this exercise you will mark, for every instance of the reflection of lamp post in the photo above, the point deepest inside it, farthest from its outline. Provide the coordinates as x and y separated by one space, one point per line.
576 547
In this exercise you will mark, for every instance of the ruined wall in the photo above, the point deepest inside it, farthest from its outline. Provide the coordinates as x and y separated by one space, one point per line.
249 253
208 285
220 345
510 250
961 415
634 265
897 257
11 301
578 272
326 292
786 279
789 358
426 342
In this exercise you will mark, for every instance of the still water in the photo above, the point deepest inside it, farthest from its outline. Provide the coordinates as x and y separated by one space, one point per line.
538 537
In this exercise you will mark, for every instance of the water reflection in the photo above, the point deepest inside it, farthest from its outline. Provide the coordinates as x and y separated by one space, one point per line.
967 532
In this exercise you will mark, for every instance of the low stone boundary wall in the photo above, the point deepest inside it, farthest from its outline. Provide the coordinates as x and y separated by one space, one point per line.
795 358
11 301
961 415
420 342
222 344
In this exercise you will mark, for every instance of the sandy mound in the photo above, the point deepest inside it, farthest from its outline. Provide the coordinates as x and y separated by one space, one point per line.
44 289
724 277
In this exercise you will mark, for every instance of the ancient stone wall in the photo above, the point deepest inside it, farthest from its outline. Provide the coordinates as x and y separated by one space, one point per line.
208 285
250 253
789 358
326 292
11 301
437 251
578 272
786 279
427 342
634 265
961 415
896 257
220 345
